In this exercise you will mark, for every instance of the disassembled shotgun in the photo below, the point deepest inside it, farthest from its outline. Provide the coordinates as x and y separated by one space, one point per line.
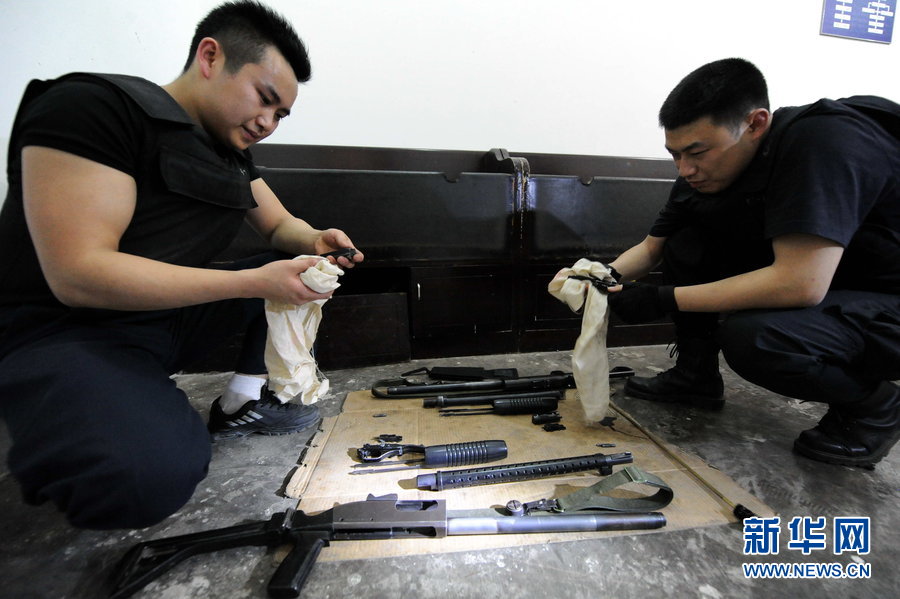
375 518
387 517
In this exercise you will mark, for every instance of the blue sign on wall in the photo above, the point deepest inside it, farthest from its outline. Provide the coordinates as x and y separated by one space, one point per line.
870 20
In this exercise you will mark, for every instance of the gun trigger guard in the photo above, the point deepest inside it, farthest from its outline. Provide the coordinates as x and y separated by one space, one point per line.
541 505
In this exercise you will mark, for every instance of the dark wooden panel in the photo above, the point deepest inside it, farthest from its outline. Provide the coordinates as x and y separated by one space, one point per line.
566 218
400 217
483 343
361 158
461 300
466 310
363 330
586 166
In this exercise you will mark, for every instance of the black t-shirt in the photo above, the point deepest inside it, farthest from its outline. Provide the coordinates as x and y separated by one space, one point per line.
192 193
825 169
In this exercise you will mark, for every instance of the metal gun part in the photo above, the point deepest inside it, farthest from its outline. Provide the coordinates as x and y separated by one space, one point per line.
456 479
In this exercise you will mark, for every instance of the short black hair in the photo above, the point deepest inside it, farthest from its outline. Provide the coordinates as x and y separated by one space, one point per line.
246 29
725 91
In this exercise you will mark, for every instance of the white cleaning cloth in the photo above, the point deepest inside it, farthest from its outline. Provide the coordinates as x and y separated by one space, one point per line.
590 363
292 333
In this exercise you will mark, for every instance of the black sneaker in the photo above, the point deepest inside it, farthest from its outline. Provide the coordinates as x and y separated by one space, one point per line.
267 416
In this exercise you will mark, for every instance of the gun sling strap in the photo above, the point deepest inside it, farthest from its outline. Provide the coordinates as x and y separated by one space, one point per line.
596 496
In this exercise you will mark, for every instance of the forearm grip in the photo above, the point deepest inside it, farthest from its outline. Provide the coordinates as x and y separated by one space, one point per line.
463 454
526 405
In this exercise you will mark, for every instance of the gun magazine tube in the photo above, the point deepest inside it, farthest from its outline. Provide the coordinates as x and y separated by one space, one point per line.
556 523
472 477
441 388
449 401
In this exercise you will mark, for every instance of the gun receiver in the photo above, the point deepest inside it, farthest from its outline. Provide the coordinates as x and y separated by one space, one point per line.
376 518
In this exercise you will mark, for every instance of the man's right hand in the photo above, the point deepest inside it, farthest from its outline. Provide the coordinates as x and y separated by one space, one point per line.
280 281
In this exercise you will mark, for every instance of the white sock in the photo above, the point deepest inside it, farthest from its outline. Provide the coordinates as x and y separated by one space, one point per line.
241 389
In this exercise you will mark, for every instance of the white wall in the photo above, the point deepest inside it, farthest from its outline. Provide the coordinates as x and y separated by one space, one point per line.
568 76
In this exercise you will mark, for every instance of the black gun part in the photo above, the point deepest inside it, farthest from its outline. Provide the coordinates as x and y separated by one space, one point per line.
507 407
472 477
546 418
435 456
347 253
464 373
600 284
554 380
448 401
375 518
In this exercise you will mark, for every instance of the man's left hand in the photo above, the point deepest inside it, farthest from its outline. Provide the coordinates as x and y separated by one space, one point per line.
335 239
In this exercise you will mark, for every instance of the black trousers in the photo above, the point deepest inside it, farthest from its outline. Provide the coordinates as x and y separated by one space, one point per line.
98 427
838 352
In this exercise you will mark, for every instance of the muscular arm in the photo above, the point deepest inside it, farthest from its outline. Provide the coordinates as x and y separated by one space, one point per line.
277 226
290 234
77 211
635 262
799 277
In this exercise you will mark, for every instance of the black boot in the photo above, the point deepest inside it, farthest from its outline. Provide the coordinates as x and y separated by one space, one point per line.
859 434
695 378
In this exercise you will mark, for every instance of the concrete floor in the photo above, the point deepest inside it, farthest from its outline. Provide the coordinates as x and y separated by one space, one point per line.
750 440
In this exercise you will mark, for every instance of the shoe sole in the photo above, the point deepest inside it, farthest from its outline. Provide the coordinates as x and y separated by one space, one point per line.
238 432
699 401
868 462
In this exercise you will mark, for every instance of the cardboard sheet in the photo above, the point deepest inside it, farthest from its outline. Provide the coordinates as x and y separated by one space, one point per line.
323 479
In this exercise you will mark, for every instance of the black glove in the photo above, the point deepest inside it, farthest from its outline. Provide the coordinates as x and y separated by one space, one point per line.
614 273
642 302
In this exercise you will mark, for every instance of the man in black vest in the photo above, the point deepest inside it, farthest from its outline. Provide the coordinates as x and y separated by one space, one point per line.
786 227
121 194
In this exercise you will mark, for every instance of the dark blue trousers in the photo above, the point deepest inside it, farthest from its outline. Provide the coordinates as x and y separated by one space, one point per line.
98 427
838 352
